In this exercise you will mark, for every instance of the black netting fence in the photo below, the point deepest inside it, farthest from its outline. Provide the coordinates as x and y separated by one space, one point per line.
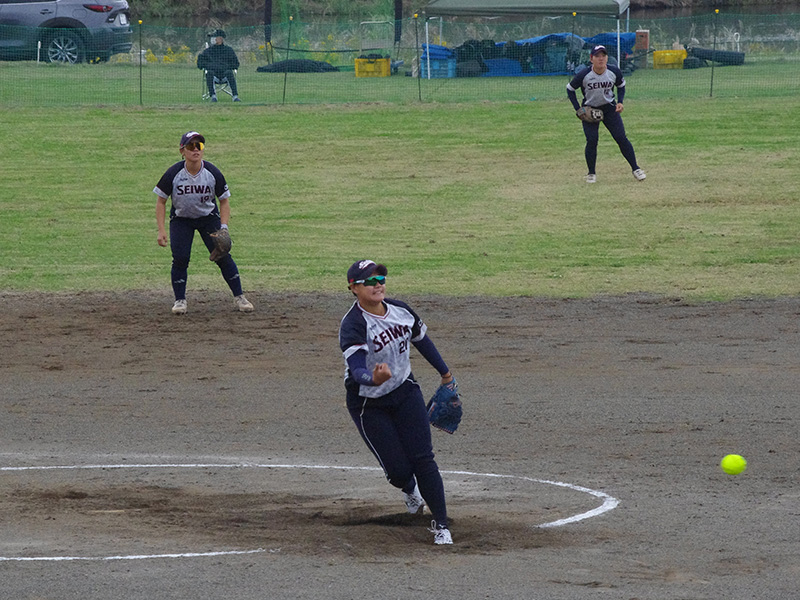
413 60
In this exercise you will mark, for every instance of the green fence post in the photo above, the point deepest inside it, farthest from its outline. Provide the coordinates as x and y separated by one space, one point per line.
141 56
569 45
713 53
286 66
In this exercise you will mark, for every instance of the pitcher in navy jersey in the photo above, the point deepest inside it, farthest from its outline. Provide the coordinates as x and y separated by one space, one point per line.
194 185
384 399
597 84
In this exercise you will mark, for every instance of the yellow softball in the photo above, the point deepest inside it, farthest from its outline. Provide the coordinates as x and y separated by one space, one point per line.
733 464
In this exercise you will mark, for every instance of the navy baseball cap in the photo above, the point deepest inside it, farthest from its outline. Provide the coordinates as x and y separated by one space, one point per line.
191 135
217 33
362 269
598 50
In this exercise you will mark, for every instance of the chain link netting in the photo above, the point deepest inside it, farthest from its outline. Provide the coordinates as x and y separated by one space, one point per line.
387 61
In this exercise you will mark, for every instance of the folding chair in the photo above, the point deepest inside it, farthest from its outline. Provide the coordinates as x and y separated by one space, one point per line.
222 85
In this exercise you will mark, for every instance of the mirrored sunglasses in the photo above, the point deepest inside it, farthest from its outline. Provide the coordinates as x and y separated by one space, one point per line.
372 281
194 146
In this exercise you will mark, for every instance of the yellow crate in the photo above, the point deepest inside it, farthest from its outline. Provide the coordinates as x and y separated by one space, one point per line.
373 67
668 59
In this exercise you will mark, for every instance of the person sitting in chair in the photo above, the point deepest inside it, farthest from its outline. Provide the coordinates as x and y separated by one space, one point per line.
219 61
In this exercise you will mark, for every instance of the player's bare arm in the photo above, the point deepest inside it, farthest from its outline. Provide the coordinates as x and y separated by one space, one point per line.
224 210
161 213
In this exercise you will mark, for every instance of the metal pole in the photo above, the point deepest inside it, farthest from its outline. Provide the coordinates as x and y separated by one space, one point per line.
427 48
713 53
286 67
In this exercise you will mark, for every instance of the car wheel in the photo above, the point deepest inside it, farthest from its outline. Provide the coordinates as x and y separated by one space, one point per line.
65 47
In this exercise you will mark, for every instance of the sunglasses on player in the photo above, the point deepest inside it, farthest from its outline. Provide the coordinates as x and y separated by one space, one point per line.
372 281
194 146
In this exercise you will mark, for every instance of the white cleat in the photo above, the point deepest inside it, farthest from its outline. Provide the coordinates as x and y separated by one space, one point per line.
441 535
414 501
179 308
639 174
591 178
243 304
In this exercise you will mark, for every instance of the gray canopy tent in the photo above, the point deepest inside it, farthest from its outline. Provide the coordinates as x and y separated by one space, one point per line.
501 8
497 8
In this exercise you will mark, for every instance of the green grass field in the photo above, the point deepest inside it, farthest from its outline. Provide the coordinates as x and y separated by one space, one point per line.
458 199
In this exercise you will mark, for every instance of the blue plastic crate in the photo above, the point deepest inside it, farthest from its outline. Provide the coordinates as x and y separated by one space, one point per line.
440 68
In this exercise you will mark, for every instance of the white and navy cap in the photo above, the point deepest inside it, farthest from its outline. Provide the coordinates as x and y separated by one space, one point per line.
361 269
598 50
191 135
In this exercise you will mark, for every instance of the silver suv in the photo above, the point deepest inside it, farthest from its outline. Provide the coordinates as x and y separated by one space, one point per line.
65 31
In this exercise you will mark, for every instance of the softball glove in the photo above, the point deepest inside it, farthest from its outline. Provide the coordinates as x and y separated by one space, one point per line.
444 408
222 245
589 114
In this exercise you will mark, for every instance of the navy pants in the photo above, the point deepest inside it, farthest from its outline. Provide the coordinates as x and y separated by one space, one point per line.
181 235
613 122
220 75
396 429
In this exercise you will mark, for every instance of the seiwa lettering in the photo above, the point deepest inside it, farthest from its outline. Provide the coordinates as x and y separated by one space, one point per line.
387 336
599 85
192 189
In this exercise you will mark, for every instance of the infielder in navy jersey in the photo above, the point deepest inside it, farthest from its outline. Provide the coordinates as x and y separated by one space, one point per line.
194 185
384 399
597 84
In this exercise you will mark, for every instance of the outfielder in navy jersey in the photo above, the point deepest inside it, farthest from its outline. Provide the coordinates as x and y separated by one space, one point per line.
597 84
194 185
384 399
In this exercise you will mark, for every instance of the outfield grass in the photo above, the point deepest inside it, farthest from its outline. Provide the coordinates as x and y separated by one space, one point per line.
458 199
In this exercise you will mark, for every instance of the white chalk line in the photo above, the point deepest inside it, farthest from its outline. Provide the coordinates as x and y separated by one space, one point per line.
609 502
127 557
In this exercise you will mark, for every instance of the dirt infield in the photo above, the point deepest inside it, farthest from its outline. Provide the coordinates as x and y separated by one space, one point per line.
223 432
